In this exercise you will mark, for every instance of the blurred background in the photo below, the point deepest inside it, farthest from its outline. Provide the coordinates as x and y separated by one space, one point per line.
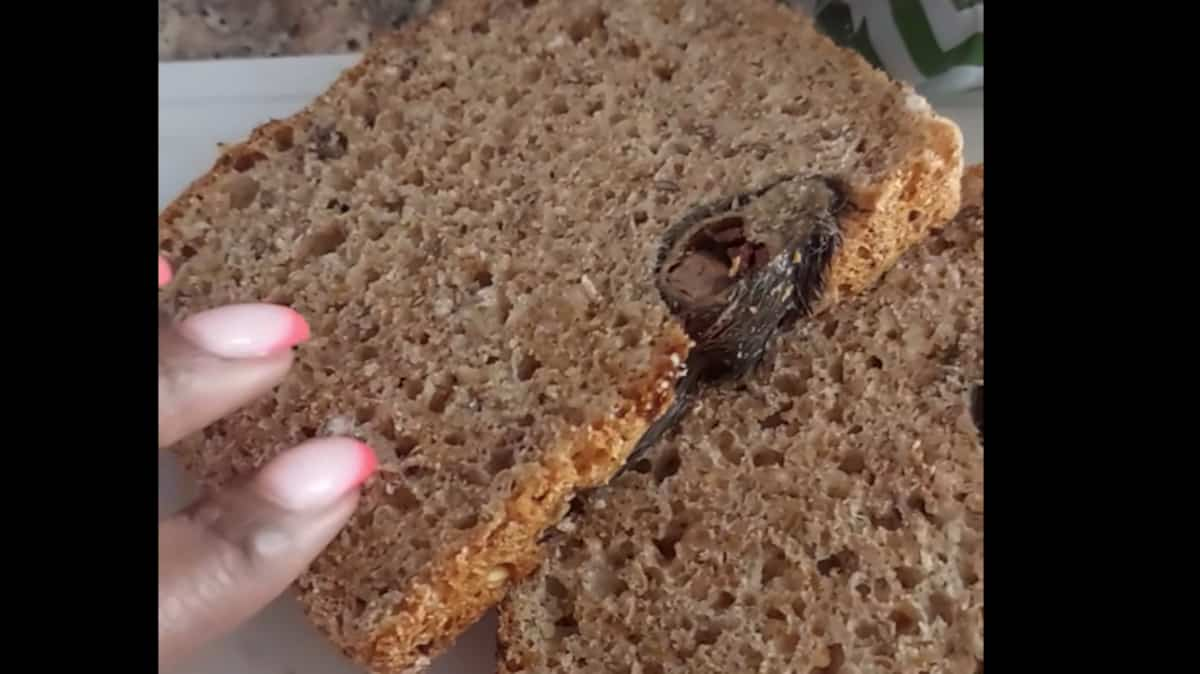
936 45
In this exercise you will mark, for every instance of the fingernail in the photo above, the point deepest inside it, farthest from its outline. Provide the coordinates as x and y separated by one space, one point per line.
245 330
164 272
317 473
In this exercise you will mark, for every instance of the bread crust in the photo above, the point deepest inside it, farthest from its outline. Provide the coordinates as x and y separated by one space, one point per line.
459 585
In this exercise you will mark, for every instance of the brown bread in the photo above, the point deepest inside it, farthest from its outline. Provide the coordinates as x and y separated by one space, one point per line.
470 218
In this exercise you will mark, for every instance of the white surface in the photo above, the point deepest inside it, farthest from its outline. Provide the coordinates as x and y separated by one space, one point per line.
205 103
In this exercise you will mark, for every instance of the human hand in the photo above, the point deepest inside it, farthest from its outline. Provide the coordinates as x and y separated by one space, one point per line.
229 554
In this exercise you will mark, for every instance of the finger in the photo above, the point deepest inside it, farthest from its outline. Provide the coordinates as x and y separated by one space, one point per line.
217 361
164 272
229 555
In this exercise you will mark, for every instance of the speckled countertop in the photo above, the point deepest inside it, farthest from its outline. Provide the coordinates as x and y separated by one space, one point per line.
206 29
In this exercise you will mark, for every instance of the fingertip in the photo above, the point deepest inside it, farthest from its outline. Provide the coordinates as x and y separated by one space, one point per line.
164 272
246 330
298 333
317 473
369 463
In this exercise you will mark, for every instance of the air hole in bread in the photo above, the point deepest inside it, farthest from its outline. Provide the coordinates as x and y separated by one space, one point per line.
619 555
909 576
441 396
942 606
526 366
796 108
791 385
707 637
364 414
241 190
666 544
403 499
606 583
853 462
667 463
776 419
967 572
245 161
565 627
916 503
727 444
830 660
768 457
866 631
321 242
836 413
557 105
572 415
889 520
845 561
906 618
555 588
405 444
465 522
775 564
723 601
501 459
838 486
663 69
283 137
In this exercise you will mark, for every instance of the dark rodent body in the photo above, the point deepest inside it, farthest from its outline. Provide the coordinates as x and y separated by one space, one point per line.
782 282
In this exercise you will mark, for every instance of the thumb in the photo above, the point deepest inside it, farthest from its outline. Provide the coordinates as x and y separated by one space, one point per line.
228 555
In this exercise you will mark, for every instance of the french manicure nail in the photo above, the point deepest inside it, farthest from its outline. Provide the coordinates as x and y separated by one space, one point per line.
164 272
245 330
317 473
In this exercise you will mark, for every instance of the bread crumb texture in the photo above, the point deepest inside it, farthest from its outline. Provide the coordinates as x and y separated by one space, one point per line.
469 218
829 518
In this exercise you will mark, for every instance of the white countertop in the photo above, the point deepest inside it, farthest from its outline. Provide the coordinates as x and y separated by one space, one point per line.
202 104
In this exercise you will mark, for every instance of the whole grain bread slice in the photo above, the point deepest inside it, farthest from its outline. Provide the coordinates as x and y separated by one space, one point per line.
470 219
828 518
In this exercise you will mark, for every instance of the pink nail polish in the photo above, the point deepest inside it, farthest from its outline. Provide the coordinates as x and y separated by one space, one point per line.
164 272
316 473
246 330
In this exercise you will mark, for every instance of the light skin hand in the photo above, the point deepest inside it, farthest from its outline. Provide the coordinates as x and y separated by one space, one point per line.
229 554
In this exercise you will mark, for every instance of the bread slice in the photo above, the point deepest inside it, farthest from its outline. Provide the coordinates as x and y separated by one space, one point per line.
828 518
470 218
